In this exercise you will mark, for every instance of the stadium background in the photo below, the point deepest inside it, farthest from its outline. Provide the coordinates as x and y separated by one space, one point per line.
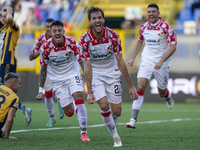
184 80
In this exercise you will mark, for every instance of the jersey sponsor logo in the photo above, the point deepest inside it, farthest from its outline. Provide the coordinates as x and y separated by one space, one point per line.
60 61
93 50
153 42
102 56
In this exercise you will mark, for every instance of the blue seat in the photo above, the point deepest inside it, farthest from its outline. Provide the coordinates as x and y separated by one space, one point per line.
54 15
28 36
188 3
197 14
44 14
67 14
185 14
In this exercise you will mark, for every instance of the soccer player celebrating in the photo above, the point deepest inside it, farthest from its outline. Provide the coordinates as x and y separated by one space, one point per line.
9 35
35 52
161 43
59 61
103 67
9 103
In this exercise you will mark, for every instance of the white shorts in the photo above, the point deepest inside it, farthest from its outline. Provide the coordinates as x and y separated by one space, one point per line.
65 89
47 84
161 75
113 91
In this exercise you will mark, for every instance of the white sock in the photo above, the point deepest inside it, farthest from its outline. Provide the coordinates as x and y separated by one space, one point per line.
108 120
75 108
82 115
137 104
50 107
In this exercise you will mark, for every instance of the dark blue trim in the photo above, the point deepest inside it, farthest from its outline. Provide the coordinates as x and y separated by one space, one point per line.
15 28
12 105
1 24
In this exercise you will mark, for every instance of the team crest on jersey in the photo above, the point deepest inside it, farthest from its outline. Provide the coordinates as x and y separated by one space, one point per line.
68 53
110 47
160 34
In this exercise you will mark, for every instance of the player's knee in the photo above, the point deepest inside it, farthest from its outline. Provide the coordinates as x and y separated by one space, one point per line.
69 114
104 107
141 88
162 94
117 113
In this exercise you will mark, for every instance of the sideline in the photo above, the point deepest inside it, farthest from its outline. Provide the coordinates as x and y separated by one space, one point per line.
100 125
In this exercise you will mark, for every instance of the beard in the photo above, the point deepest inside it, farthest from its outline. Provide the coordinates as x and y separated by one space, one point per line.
93 27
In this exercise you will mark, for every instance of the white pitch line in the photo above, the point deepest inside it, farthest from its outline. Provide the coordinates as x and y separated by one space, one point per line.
100 125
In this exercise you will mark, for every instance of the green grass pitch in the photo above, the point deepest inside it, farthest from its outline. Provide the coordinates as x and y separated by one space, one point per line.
158 128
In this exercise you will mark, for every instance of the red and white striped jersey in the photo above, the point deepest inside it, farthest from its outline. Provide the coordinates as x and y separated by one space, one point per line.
38 42
61 61
101 52
158 37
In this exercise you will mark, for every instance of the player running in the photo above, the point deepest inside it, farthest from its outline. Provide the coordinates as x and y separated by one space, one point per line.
161 43
35 52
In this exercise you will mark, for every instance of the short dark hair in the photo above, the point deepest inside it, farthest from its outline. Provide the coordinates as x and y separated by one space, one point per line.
93 10
5 10
56 23
49 20
153 5
11 75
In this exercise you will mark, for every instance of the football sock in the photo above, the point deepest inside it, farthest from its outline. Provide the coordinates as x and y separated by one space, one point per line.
75 108
108 120
81 114
49 104
168 95
115 134
137 104
135 113
21 107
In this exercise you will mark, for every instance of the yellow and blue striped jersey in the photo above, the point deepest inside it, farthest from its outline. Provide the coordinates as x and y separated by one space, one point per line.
8 41
8 99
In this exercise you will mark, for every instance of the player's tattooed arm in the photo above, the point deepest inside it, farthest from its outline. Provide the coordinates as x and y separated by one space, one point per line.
43 75
81 64
9 122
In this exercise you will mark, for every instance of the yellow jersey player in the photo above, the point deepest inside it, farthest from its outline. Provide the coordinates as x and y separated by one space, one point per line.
9 35
8 41
8 103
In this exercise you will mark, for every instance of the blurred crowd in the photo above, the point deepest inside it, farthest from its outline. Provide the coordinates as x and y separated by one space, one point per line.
35 12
